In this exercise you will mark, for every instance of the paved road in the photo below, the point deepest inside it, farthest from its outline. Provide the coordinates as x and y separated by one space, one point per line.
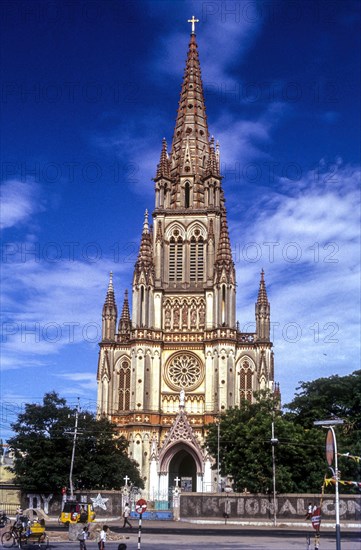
216 542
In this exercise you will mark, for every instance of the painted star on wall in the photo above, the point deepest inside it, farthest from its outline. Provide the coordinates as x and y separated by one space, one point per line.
99 502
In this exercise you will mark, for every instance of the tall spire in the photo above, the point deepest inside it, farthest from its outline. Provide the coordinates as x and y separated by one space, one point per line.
191 129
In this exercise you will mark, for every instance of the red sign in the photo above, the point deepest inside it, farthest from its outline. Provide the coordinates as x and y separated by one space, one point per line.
316 518
141 506
330 449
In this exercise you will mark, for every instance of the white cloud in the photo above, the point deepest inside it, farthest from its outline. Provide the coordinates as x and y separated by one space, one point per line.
48 307
307 238
20 200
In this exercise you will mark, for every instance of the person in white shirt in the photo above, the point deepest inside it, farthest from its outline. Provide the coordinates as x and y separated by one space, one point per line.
126 513
103 537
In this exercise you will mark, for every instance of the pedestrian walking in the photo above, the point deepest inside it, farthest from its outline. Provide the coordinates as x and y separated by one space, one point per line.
103 537
122 546
83 535
309 510
126 513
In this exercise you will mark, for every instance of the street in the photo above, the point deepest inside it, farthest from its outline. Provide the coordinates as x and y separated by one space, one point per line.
189 542
221 540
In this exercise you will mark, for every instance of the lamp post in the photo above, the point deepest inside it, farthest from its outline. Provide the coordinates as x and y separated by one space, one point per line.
274 441
331 455
218 469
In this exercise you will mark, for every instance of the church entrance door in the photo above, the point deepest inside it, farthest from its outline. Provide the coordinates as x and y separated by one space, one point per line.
183 467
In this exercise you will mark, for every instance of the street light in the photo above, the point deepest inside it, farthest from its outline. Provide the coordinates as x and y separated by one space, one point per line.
274 441
218 443
331 454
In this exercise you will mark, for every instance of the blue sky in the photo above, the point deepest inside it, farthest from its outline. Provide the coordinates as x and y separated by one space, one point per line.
89 91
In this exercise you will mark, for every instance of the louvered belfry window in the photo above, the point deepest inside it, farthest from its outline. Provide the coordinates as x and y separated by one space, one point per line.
175 259
196 259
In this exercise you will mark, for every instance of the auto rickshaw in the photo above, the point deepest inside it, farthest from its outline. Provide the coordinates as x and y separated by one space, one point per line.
76 512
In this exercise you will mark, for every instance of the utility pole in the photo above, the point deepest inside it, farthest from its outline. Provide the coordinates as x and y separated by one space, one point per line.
74 434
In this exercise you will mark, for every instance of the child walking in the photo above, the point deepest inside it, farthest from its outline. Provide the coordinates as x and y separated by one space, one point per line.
82 538
103 537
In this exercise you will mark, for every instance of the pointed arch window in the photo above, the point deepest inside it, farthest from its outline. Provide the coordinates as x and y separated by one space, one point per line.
124 386
196 257
175 259
246 375
141 311
187 194
223 305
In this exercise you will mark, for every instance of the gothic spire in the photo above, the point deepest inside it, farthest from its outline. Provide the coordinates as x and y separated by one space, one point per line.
191 129
263 311
262 293
124 321
224 259
145 256
224 253
163 169
212 165
110 312
109 303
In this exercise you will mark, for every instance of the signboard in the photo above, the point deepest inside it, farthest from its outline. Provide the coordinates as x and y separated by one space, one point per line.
316 518
141 506
330 449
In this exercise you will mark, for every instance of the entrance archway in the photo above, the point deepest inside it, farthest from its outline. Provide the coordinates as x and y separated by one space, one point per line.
184 467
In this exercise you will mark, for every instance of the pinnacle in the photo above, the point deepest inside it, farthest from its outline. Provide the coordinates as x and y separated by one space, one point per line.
110 297
125 316
224 253
145 256
262 292
163 170
145 223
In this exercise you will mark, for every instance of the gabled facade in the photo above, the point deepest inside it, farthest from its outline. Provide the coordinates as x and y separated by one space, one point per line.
179 359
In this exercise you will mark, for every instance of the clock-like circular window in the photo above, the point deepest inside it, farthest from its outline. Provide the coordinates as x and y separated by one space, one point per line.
184 370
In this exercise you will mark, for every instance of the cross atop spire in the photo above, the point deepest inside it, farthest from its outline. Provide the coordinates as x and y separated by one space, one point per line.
193 21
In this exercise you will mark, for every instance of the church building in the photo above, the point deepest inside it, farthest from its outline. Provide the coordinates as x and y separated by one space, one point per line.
175 359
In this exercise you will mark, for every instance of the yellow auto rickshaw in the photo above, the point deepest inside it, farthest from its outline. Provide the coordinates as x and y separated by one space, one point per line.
76 512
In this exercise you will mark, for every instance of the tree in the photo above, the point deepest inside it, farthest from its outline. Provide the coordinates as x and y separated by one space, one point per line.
246 452
42 449
326 398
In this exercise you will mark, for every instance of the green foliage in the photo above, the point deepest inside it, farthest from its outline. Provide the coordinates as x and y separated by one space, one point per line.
246 450
42 449
326 398
245 434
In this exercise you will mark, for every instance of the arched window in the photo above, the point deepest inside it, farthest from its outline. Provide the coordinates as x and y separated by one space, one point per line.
141 312
223 305
187 194
246 375
196 259
124 386
175 259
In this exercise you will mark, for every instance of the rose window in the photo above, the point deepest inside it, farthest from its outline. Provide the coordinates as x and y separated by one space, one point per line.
184 370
